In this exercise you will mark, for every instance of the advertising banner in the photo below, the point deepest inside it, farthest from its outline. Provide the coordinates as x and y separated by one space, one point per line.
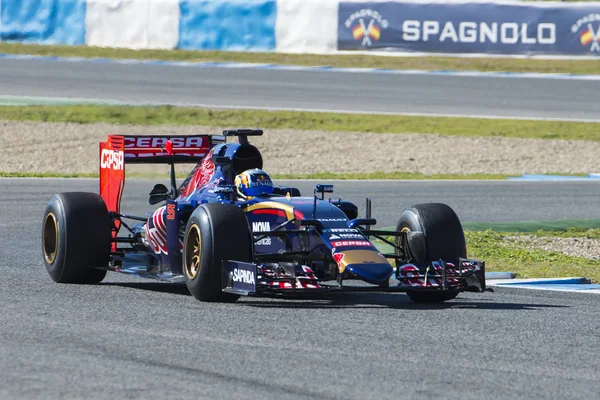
509 28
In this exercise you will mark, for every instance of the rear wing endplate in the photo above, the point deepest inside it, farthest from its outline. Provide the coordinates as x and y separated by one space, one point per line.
119 150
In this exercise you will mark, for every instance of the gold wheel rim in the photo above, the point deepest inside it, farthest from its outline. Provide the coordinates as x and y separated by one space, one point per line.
398 252
50 238
192 256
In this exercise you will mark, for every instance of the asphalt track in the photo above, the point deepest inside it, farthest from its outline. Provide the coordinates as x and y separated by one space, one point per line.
128 338
305 90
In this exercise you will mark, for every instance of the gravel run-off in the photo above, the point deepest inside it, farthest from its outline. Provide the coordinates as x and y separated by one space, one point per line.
73 148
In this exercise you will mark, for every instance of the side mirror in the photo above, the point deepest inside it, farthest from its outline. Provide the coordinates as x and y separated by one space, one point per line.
416 245
323 189
312 222
158 193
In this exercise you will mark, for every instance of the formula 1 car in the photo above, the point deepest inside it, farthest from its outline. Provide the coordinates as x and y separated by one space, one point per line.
224 247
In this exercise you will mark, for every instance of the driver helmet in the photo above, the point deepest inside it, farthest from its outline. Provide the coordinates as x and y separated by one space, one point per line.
252 183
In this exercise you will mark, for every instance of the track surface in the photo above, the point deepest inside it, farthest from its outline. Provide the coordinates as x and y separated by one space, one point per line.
356 92
128 338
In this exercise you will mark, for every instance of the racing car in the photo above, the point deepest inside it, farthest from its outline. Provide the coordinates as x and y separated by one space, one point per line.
227 231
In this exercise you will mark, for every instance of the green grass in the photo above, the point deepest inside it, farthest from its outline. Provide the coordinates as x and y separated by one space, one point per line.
45 175
169 115
353 60
387 175
322 176
562 227
490 246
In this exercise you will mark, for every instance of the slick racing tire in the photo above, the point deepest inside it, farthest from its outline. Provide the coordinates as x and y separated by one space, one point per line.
444 239
76 234
215 232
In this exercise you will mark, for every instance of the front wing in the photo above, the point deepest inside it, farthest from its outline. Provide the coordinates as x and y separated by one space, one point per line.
247 279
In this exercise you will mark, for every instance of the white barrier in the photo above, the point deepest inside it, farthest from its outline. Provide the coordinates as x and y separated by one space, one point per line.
306 26
134 24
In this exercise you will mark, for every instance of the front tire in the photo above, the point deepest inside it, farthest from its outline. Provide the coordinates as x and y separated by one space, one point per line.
76 234
214 233
444 239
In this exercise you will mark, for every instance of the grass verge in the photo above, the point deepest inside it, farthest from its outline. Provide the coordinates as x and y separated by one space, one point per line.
531 263
562 228
323 176
169 115
341 61
45 175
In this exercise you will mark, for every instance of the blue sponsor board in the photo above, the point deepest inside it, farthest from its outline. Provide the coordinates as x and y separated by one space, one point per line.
43 21
470 28
230 25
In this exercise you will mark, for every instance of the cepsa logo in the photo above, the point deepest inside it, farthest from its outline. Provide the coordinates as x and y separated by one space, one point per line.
588 29
473 32
112 159
366 31
152 146
145 142
348 243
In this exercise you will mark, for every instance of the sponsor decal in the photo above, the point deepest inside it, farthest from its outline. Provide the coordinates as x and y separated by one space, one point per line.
261 180
588 29
349 243
351 236
472 32
366 25
354 235
340 230
157 141
139 147
112 159
262 226
224 189
331 219
243 276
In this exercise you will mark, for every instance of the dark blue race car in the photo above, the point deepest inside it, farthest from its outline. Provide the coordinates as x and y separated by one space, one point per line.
227 231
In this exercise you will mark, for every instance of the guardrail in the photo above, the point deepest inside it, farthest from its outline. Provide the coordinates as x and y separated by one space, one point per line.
310 26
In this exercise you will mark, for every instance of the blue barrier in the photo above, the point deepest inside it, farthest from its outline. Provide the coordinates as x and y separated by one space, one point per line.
43 21
233 25
470 27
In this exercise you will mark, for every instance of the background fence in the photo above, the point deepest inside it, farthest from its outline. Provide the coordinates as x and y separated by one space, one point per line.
311 26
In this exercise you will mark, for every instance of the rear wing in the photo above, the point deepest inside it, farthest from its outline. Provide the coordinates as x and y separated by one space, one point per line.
120 150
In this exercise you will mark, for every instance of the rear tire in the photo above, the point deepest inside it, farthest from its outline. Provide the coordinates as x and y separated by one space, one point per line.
76 234
214 233
444 239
